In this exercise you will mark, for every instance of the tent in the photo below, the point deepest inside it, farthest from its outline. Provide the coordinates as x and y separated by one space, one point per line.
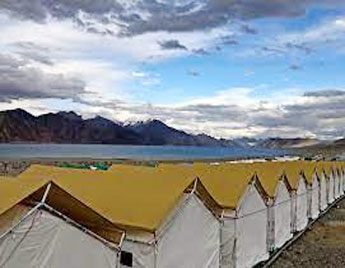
328 169
298 184
312 178
35 234
336 182
323 187
162 212
275 183
236 188
339 174
341 177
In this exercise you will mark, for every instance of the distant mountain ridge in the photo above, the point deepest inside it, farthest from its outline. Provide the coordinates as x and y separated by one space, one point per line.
294 143
68 127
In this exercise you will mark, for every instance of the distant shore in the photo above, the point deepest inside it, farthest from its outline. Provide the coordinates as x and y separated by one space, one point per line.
13 167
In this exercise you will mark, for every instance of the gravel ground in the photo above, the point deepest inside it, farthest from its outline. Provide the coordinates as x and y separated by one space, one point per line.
322 246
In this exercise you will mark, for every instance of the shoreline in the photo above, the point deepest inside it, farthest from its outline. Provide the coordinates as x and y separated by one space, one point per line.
10 166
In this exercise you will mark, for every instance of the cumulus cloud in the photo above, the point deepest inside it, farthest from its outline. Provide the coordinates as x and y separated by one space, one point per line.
19 80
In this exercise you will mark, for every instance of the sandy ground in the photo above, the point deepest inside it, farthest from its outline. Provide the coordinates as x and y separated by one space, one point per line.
322 246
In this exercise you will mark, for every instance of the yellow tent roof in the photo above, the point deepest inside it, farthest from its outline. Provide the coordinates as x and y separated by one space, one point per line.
226 182
339 166
319 169
293 171
269 174
136 197
13 191
328 167
309 168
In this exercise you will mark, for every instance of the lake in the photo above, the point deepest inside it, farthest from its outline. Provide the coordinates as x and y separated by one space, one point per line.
98 151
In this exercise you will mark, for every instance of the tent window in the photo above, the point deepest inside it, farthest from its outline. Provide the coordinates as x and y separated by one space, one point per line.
126 258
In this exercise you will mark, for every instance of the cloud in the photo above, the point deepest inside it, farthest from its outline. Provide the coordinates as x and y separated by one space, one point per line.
295 67
299 46
19 80
325 93
248 29
172 44
200 52
33 52
138 17
231 113
193 72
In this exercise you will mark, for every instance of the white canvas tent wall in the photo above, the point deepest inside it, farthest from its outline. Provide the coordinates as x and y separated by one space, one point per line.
339 172
245 214
274 181
336 183
44 240
330 182
298 183
313 188
323 188
341 176
33 237
189 238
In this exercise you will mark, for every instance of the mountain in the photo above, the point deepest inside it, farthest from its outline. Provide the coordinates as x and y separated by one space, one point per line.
281 143
102 130
69 127
155 132
247 142
18 125
63 127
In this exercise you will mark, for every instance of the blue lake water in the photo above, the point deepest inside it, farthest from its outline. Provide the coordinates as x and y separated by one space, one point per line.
97 151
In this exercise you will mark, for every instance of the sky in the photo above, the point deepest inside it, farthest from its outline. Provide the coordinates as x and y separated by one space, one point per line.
227 68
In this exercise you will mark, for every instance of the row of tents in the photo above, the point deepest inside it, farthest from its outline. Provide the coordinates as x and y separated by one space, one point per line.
173 215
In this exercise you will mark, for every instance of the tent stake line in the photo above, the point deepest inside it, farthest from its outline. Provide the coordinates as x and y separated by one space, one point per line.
276 255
